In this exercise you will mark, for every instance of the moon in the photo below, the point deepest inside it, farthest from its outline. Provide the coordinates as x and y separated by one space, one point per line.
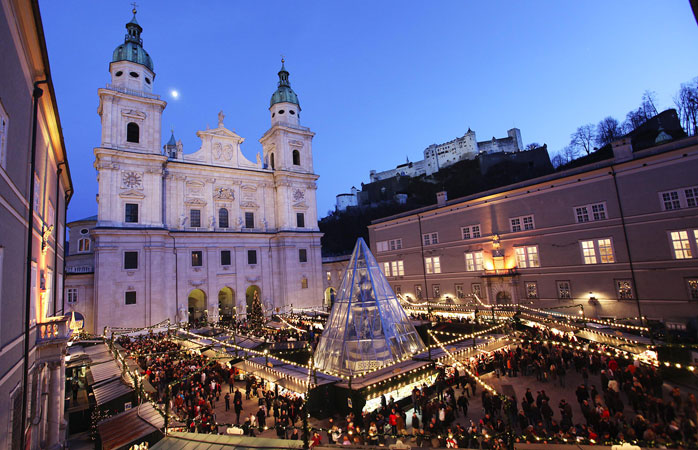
174 93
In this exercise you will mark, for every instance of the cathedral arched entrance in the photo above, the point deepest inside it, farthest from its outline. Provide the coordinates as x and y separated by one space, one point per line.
330 294
503 298
253 295
196 304
226 303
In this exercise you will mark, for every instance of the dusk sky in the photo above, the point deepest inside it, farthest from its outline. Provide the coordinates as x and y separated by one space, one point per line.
378 81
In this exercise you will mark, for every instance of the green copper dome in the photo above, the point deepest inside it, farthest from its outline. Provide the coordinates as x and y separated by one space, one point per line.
132 48
284 93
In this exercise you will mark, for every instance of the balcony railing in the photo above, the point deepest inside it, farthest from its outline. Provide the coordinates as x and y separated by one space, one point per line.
79 269
133 92
54 330
500 272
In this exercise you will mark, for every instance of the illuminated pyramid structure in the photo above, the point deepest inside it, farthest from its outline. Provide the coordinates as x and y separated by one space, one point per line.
367 327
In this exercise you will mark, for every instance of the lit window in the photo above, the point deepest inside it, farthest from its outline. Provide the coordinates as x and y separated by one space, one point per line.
72 295
329 276
527 257
471 232
681 244
386 269
598 251
430 238
398 268
531 290
624 289
564 291
304 283
692 288
433 264
197 258
195 218
473 262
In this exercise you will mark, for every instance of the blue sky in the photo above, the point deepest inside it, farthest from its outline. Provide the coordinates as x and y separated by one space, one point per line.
377 80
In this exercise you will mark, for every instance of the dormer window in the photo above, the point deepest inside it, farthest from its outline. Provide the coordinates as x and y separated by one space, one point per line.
132 132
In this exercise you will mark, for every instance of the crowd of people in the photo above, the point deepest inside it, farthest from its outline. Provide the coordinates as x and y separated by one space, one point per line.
442 414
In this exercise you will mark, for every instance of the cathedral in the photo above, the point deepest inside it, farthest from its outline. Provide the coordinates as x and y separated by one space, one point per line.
205 234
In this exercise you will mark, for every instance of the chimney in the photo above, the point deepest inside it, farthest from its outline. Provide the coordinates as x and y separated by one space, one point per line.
441 198
622 149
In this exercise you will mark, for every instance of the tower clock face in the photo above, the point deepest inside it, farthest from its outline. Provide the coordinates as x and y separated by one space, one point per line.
132 179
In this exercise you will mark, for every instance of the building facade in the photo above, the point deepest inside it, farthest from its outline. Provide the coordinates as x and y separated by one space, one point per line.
79 273
184 235
618 236
438 156
35 187
333 268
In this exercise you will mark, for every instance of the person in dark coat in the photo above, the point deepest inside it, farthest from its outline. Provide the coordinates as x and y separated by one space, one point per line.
237 405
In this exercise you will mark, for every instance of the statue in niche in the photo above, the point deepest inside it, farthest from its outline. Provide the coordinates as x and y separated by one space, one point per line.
265 224
240 222
213 222
182 220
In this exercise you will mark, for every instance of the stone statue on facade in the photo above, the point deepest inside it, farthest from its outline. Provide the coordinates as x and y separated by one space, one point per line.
259 160
182 220
221 116
213 222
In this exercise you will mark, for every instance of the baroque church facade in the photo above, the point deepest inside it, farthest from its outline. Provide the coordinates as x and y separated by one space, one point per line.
181 236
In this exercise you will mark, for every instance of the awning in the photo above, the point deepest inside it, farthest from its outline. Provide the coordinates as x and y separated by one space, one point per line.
611 341
99 353
130 427
287 375
110 390
179 441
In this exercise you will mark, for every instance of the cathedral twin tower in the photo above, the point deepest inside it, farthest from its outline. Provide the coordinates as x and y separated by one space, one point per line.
183 236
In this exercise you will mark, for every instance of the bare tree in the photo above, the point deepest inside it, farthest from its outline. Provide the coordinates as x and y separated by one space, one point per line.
645 112
532 146
584 137
570 153
607 131
686 101
557 161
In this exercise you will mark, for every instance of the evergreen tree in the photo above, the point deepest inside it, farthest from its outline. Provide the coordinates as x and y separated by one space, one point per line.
256 316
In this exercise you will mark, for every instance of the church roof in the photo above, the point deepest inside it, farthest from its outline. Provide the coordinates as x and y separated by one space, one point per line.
132 48
367 327
284 93
172 142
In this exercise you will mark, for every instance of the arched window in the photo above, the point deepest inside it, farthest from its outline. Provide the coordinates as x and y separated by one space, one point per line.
296 158
132 132
223 218
272 161
83 245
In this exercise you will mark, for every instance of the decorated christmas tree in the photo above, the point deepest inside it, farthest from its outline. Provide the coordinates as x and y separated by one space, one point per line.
256 316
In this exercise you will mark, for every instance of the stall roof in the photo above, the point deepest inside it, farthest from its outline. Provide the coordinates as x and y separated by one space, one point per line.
180 441
385 373
130 426
103 371
99 353
109 391
615 342
279 371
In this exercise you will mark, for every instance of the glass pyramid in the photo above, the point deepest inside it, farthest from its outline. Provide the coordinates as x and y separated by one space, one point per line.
367 327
